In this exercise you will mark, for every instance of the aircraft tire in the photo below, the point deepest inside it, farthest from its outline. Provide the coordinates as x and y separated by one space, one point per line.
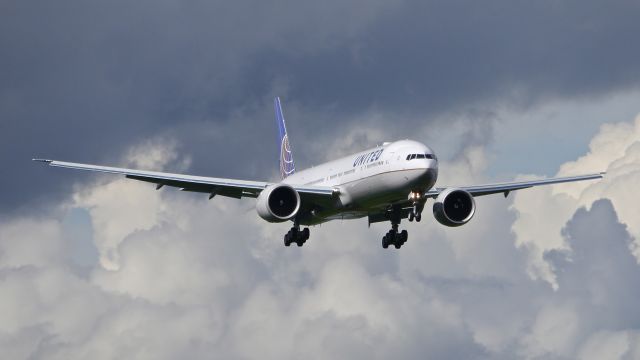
385 243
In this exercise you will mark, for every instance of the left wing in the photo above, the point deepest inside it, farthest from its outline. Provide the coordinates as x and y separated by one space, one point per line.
212 186
405 206
506 188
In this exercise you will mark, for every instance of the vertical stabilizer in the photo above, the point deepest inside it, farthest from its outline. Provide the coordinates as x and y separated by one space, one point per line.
286 156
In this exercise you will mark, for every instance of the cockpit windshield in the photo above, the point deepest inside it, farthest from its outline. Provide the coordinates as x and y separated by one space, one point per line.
421 156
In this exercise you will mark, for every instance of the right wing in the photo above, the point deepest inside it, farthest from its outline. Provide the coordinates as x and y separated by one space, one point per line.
212 186
405 206
506 188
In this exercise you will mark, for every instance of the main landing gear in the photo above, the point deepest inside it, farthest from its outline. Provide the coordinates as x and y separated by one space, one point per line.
395 237
295 235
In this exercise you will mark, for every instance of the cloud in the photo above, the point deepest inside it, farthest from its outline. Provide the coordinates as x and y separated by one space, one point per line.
102 267
616 150
181 276
614 345
597 277
81 80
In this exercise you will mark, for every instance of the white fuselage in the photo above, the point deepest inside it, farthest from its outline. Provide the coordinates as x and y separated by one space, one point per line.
371 179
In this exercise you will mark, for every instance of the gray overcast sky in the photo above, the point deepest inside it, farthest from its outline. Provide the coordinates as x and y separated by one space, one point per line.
82 80
95 266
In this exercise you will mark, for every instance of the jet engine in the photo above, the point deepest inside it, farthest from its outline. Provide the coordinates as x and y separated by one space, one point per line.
454 207
278 203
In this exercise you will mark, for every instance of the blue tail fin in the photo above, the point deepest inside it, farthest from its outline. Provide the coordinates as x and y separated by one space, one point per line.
286 156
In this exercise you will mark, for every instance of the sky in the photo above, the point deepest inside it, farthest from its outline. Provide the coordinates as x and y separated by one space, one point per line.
96 266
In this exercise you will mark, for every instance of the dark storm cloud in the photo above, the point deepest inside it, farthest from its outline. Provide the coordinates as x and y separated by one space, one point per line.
82 80
599 270
439 54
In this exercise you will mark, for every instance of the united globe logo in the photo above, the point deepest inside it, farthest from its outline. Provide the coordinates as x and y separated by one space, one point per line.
286 158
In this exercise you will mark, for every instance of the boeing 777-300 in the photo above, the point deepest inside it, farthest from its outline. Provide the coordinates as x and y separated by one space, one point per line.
389 182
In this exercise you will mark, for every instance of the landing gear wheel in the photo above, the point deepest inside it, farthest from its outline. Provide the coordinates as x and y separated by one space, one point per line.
404 235
295 235
397 239
394 236
385 242
287 239
418 217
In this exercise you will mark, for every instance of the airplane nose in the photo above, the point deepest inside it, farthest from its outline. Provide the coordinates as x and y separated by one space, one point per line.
420 176
427 175
424 173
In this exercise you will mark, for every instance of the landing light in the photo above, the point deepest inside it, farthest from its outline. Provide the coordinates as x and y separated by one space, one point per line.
415 195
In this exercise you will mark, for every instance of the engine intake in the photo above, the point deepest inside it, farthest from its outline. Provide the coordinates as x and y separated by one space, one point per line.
454 207
278 203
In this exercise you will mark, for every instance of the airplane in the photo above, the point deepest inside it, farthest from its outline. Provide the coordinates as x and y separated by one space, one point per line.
389 182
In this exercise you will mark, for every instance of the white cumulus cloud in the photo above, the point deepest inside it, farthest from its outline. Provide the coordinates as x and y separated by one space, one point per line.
546 273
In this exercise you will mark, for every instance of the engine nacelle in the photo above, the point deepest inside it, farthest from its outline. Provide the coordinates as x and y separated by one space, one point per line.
454 207
278 203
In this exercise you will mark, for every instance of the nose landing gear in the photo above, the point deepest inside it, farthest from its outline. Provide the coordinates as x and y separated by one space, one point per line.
418 205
